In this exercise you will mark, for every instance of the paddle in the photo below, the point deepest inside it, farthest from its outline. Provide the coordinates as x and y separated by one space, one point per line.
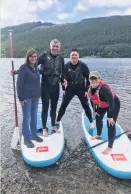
96 145
15 138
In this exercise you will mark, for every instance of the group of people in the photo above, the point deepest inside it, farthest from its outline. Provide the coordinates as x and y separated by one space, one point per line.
75 79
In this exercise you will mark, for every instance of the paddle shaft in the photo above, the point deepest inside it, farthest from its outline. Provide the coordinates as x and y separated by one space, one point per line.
14 89
107 140
96 145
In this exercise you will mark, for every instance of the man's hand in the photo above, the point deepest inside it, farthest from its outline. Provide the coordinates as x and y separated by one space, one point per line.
86 94
64 83
63 92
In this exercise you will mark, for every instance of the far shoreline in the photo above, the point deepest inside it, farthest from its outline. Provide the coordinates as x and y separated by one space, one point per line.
84 57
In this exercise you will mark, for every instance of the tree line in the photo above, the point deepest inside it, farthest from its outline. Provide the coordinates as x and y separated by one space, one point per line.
96 37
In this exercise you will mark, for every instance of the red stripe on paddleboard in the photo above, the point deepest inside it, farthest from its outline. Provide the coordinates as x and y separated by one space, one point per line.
118 157
42 149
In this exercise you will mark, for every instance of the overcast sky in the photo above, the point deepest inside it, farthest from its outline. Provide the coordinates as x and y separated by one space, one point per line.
13 12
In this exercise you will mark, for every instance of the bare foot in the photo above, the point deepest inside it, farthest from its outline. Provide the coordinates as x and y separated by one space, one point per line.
107 151
45 133
95 137
55 129
57 122
92 126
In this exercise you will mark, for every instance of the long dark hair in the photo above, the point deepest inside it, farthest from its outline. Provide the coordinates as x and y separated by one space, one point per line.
29 53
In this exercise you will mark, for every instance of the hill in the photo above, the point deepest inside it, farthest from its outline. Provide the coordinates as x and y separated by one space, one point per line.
100 37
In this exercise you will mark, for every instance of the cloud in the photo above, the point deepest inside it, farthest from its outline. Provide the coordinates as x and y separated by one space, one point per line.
80 7
84 5
32 8
46 4
110 3
118 12
59 8
62 16
128 11
15 12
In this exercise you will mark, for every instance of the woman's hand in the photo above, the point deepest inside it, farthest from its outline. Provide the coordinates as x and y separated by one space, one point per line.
110 121
23 102
13 72
95 113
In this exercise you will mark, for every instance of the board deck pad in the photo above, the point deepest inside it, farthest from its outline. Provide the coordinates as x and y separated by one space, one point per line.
48 125
104 135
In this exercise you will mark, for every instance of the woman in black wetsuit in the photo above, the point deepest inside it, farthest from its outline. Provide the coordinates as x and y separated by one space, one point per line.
103 100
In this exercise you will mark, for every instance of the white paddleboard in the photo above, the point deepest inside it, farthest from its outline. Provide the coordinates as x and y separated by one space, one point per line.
47 152
118 163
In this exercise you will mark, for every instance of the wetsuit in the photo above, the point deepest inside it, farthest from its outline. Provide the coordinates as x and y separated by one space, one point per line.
52 73
105 95
77 84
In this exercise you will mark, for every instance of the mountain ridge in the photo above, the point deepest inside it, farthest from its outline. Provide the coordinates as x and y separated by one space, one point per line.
99 37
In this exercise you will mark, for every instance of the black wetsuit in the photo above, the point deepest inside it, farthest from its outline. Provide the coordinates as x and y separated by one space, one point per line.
112 111
52 73
77 84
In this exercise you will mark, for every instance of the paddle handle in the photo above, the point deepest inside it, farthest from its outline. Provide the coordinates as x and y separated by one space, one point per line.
14 89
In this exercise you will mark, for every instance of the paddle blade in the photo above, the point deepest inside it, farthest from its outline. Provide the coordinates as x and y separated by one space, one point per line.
15 139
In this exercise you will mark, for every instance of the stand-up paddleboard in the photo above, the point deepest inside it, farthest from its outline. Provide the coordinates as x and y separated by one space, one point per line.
118 163
47 152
